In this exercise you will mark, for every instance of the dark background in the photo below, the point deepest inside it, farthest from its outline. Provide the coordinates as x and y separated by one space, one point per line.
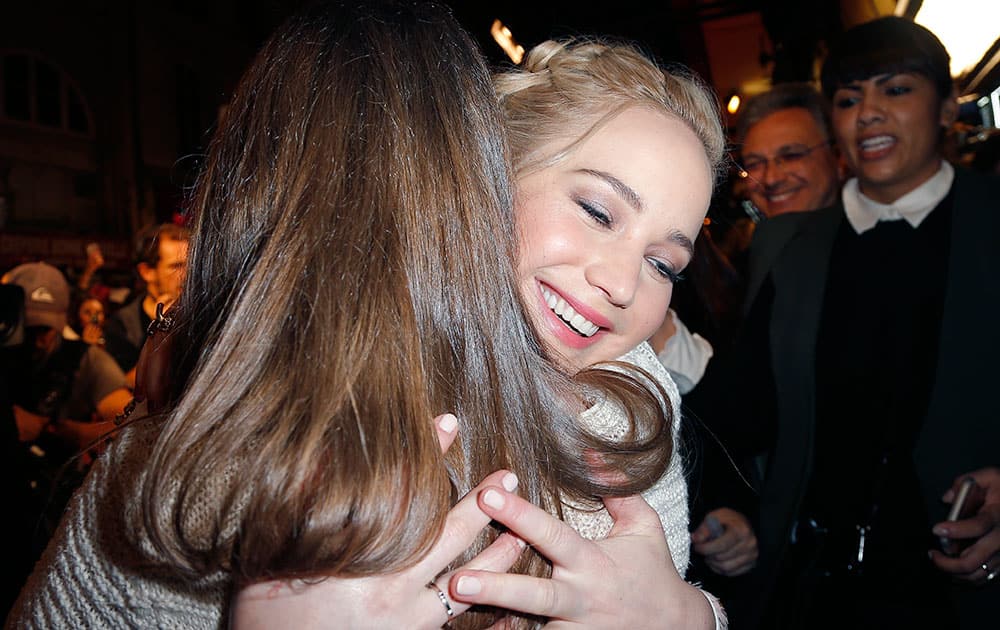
106 106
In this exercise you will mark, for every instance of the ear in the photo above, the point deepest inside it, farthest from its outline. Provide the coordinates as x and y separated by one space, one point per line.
949 109
146 272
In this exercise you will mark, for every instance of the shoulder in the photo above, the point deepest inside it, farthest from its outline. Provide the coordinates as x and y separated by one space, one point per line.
99 368
607 417
772 238
99 359
967 177
782 228
125 587
129 311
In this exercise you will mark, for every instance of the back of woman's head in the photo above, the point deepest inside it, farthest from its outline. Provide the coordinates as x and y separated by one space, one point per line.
349 278
565 90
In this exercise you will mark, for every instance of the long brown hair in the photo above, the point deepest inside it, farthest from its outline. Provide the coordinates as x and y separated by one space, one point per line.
350 277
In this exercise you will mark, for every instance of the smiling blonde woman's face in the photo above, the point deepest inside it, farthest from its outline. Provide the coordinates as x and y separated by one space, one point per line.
605 232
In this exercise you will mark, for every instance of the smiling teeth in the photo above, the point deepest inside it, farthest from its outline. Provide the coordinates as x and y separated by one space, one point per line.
876 143
574 320
780 196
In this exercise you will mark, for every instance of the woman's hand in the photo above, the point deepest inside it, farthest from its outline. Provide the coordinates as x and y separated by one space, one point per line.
626 580
399 600
386 601
447 430
978 563
93 334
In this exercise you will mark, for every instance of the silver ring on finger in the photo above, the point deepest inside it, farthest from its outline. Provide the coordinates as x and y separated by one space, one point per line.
443 598
992 574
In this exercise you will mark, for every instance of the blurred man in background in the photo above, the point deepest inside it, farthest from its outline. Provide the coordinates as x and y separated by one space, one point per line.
161 262
787 151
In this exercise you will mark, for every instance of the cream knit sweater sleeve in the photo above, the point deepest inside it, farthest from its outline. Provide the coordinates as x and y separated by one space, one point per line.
668 496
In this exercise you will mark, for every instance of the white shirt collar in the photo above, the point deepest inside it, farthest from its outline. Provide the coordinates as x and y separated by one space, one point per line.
863 213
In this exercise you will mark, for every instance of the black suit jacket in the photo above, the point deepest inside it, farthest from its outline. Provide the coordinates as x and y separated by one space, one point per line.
962 429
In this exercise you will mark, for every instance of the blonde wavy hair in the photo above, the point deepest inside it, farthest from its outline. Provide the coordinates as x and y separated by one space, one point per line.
573 87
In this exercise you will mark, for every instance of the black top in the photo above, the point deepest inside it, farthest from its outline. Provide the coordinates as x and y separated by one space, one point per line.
875 363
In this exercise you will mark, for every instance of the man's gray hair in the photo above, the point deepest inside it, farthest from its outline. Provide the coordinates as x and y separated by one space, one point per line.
784 96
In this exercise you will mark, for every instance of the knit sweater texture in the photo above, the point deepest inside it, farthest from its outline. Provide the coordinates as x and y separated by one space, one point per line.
668 496
91 576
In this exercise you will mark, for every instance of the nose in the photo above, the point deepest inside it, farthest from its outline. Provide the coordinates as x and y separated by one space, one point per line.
615 273
869 109
773 173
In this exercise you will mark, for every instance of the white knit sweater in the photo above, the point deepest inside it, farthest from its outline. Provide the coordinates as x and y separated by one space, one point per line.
669 495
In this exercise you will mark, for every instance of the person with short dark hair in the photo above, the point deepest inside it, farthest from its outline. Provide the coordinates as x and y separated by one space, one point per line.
870 349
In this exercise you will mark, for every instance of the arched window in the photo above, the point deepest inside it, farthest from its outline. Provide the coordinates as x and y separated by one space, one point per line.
35 92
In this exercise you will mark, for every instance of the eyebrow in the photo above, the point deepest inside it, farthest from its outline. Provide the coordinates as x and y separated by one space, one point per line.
678 238
622 189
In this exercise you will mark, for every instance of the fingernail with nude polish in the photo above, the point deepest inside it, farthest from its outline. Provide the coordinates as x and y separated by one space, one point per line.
493 499
509 482
448 423
468 586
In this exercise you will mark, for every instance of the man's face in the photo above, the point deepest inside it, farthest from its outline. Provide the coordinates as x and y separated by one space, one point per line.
805 175
888 127
164 280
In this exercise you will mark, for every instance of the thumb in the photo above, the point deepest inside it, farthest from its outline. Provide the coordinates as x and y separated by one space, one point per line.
632 515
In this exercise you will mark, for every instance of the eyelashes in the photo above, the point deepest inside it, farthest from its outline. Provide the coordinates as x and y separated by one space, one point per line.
595 213
846 102
665 270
